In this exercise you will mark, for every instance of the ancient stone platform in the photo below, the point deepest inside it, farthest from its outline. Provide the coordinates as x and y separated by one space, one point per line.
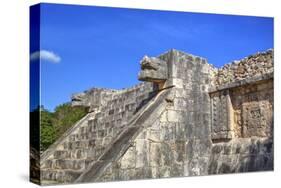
186 118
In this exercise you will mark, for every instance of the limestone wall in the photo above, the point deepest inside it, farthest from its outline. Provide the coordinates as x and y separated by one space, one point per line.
241 155
178 143
242 128
242 116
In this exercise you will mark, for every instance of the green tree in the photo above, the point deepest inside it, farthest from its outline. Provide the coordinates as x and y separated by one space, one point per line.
65 116
54 124
47 130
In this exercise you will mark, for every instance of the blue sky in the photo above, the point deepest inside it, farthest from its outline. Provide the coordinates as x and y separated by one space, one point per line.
86 46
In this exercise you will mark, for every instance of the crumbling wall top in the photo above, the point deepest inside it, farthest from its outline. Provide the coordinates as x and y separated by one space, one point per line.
254 65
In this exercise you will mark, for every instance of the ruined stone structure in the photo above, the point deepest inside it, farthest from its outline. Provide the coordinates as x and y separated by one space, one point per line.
186 118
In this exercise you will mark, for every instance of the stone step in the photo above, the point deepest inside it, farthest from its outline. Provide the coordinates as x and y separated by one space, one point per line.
92 132
83 130
74 154
87 144
59 175
48 182
71 164
88 133
83 136
62 154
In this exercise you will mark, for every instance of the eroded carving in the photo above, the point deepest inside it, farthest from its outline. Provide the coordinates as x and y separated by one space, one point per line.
153 69
257 119
92 98
221 110
79 99
243 112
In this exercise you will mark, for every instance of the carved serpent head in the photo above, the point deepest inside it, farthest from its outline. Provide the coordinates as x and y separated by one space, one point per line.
153 69
79 99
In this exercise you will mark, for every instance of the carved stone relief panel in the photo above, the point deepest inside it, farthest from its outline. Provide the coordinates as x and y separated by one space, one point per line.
253 110
257 119
242 112
221 110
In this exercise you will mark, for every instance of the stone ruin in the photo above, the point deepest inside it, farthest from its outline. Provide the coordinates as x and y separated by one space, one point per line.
186 118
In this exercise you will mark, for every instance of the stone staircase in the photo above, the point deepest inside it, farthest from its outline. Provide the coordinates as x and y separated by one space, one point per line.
116 149
67 159
90 138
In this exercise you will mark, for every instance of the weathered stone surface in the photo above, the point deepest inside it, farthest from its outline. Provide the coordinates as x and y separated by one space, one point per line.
258 64
241 155
193 119
153 70
221 115
92 98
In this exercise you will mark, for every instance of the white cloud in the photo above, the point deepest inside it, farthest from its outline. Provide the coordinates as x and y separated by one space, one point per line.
45 55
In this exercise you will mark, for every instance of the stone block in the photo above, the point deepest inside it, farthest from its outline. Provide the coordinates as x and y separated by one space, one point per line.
176 116
168 132
178 83
154 154
128 160
153 134
141 153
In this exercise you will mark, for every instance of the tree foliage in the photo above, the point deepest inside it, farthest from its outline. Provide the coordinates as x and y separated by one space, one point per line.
54 124
47 131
